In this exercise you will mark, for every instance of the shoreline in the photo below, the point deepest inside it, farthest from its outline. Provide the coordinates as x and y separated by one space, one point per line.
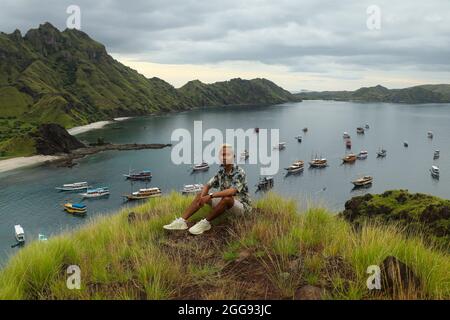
23 162
95 125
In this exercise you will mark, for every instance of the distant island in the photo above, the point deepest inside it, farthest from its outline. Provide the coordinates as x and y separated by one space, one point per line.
67 78
429 93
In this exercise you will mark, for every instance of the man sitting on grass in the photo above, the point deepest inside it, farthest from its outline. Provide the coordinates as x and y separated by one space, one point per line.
232 195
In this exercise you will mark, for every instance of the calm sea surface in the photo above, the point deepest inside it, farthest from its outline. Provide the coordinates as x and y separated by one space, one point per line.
28 196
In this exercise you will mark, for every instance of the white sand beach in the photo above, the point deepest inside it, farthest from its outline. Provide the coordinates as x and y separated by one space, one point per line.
122 118
92 126
21 162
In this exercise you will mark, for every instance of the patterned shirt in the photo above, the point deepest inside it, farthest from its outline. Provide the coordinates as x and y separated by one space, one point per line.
235 179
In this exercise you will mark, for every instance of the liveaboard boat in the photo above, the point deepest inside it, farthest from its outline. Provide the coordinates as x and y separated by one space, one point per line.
363 181
349 158
144 194
435 172
19 233
362 155
139 176
296 167
96 193
381 153
192 188
318 163
75 208
200 167
360 130
265 183
77 186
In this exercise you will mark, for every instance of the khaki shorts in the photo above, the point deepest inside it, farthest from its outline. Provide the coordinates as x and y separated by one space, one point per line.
237 208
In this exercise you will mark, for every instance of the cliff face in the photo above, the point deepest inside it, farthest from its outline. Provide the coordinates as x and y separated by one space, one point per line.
53 138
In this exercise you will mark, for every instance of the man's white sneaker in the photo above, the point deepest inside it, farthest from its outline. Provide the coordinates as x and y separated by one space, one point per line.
177 224
200 227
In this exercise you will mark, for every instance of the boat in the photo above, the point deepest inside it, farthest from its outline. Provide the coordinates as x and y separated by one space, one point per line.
245 154
346 135
265 183
299 138
367 126
280 146
348 143
350 158
96 193
144 194
42 237
75 208
305 129
256 129
382 153
318 163
143 175
406 144
200 167
430 134
362 155
435 171
360 130
437 154
297 166
364 181
19 233
192 188
74 186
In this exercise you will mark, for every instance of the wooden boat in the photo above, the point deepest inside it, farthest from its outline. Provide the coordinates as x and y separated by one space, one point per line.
200 167
363 155
430 134
143 175
143 194
435 172
350 158
296 167
75 208
318 163
360 130
436 154
77 186
192 188
382 153
265 183
299 138
19 233
364 181
348 144
346 135
96 193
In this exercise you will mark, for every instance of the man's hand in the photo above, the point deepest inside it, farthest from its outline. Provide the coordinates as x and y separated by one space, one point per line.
203 200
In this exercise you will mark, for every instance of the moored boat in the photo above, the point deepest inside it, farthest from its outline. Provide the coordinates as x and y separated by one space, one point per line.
19 233
192 188
142 175
349 158
381 153
318 163
406 144
77 186
245 154
265 183
363 181
75 208
436 154
346 135
256 129
363 155
435 171
430 134
96 193
348 143
360 130
143 194
299 138
296 167
200 167
367 126
305 129
280 146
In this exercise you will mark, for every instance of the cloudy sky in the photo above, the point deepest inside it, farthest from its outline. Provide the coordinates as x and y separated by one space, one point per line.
299 44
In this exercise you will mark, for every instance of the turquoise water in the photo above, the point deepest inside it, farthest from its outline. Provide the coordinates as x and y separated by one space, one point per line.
28 196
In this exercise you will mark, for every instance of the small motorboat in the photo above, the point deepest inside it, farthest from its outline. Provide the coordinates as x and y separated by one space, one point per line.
430 134
382 153
435 171
75 208
96 193
364 181
346 135
296 167
360 130
299 138
200 167
77 186
362 155
367 126
245 155
348 143
144 194
19 233
280 146
192 188
406 144
436 154
305 129
318 163
349 158
265 183
143 175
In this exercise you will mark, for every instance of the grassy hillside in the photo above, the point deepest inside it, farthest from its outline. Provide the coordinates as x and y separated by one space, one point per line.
439 93
274 252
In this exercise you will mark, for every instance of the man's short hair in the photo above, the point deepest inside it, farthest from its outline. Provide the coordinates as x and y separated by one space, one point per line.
226 146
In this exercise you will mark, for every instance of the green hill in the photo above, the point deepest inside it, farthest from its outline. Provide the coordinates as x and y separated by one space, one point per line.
276 252
439 93
48 76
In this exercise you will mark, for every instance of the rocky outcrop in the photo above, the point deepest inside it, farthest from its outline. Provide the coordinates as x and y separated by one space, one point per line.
52 139
398 279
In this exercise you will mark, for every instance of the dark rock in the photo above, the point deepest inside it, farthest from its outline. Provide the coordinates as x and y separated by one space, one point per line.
397 278
52 139
309 293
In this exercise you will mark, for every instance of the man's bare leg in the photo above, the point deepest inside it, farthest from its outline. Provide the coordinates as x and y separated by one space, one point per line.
193 208
224 204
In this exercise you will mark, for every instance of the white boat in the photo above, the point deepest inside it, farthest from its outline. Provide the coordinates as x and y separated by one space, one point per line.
96 193
318 163
245 154
435 171
364 181
297 166
19 233
192 188
265 183
346 135
363 155
74 186
280 146
430 134
200 167
144 194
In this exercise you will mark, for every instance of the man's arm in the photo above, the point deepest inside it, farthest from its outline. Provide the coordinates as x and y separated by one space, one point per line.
230 192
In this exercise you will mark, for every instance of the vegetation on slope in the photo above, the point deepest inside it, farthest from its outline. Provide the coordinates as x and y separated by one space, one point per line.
439 93
272 253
